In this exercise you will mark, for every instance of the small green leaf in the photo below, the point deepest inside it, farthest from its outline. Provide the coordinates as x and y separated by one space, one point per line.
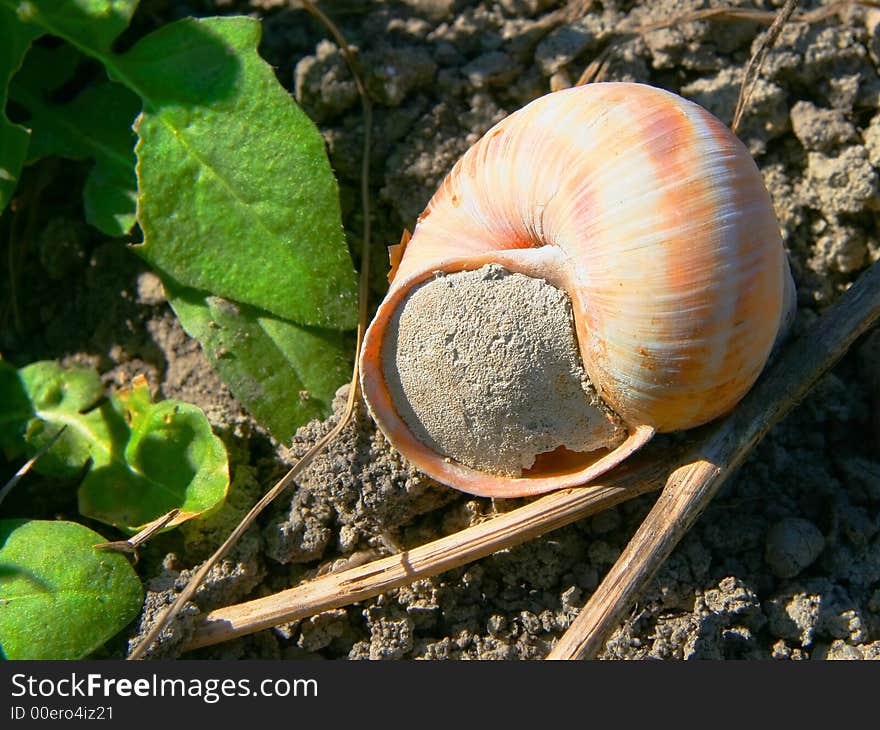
144 458
15 39
236 193
284 373
96 125
62 397
54 608
172 459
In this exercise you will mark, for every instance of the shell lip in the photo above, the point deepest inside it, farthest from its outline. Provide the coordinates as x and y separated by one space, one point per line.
445 469
466 479
481 484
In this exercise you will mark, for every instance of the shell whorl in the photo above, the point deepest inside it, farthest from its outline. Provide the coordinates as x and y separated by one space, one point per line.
650 214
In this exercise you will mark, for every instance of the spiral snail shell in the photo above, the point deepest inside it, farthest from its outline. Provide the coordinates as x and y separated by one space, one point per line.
651 219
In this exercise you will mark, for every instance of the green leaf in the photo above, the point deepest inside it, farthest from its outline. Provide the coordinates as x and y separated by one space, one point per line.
236 200
172 459
284 373
96 125
144 458
91 25
15 39
53 608
236 193
42 73
59 398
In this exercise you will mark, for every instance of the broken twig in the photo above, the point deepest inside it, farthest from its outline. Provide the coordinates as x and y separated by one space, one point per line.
131 545
356 584
753 68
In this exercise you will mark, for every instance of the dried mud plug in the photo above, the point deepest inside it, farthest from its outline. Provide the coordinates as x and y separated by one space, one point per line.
603 265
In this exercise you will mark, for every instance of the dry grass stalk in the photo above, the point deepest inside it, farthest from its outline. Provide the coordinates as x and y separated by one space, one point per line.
595 69
753 69
28 465
134 543
365 581
573 10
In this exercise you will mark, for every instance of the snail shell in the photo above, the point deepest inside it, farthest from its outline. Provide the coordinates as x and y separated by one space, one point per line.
654 220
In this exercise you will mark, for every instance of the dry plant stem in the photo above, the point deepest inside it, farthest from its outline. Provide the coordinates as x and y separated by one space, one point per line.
574 10
597 68
753 69
136 541
362 582
192 586
764 17
780 389
690 488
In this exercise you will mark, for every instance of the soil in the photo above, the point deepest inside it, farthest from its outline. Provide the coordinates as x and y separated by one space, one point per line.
785 563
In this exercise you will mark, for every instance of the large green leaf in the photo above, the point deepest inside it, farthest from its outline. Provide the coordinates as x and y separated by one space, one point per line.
59 597
144 459
236 193
96 125
285 374
15 39
236 200
91 25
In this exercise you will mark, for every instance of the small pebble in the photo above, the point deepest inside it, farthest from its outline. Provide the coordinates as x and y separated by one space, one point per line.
793 544
565 44
491 69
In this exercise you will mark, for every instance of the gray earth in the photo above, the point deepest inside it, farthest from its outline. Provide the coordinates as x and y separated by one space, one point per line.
784 564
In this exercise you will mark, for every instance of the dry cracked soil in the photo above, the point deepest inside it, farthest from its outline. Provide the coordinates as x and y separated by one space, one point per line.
784 564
